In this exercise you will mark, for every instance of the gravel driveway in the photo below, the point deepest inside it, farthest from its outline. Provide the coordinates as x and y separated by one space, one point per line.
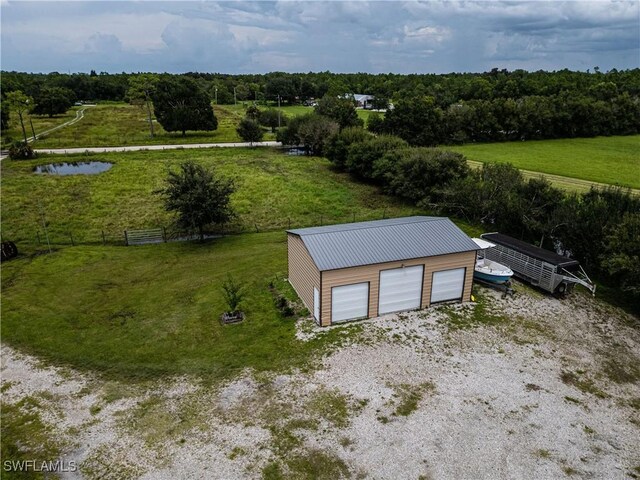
517 388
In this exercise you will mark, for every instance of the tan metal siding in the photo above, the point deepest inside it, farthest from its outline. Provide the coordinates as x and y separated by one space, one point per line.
303 273
371 274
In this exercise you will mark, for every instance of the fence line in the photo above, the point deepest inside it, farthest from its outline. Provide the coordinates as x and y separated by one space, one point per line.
161 234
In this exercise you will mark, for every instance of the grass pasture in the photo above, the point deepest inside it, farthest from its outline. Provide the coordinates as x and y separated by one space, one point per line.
610 160
40 124
273 189
118 124
143 311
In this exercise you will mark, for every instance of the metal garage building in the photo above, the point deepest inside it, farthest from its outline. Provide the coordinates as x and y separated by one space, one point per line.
366 269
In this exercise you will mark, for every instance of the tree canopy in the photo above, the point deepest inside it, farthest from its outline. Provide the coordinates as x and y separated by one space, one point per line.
180 105
199 196
53 101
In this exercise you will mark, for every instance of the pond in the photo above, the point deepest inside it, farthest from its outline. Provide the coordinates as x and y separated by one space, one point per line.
74 168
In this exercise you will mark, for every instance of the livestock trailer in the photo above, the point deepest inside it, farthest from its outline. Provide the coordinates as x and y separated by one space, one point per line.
537 266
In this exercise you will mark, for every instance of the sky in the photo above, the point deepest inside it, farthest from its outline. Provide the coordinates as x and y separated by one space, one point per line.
339 36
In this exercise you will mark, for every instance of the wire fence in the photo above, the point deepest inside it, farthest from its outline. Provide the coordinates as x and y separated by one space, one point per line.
54 237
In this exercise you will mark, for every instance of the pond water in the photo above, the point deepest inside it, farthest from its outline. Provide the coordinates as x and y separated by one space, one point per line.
74 168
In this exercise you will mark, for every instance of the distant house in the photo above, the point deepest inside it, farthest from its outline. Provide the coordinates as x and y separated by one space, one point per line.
366 269
363 101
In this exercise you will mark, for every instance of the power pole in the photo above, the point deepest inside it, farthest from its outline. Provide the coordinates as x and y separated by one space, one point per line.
216 95
278 111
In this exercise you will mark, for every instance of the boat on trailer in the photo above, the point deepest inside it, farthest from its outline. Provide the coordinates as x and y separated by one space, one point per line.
488 270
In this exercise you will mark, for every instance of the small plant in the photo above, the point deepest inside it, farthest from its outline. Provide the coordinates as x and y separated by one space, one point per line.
233 293
21 151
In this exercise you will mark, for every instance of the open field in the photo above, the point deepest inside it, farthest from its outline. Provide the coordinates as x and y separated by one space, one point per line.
610 160
273 189
114 124
527 387
40 124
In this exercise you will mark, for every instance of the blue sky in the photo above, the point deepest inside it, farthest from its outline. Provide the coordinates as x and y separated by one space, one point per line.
258 37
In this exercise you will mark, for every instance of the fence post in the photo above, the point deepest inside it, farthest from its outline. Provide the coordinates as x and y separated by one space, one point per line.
384 213
256 225
126 240
164 234
104 241
38 237
71 236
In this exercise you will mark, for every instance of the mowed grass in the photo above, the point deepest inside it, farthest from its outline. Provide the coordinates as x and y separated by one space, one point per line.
274 191
152 310
290 110
611 160
117 124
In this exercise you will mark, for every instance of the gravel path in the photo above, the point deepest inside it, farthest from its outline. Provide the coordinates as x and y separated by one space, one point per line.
527 397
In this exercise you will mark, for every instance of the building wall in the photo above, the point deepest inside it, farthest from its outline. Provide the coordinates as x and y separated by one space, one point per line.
303 273
371 274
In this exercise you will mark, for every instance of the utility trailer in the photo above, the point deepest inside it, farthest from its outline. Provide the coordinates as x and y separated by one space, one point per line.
539 267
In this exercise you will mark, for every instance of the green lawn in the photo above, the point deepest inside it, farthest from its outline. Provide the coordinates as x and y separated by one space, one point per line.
142 311
114 124
273 189
612 160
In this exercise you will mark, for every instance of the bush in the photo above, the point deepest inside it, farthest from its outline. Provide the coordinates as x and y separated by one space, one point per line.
21 151
375 123
249 130
311 130
338 145
414 173
362 156
233 293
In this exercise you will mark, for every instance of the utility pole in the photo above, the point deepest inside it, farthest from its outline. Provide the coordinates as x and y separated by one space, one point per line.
216 95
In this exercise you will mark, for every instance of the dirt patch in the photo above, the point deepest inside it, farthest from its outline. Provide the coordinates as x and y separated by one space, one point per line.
532 383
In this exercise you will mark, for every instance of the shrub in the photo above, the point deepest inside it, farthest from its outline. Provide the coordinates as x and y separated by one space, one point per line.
233 293
338 145
414 173
361 156
21 151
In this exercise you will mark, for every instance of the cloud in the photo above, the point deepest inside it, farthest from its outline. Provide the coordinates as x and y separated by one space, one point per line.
342 36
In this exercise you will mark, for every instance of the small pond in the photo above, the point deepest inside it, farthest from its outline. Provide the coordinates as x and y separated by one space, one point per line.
73 168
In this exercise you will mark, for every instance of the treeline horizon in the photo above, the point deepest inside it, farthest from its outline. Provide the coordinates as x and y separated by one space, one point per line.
446 89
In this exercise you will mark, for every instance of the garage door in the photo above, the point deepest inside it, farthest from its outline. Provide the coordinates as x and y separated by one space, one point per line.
349 302
400 289
447 285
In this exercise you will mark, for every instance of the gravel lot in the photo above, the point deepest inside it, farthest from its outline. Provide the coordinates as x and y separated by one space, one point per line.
527 387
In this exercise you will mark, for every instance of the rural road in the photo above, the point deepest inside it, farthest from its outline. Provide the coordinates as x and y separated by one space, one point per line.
134 148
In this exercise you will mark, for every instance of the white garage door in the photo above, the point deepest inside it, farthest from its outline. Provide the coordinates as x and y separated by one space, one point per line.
349 302
447 285
400 289
316 304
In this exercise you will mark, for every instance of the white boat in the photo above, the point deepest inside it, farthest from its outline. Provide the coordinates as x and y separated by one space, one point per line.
489 270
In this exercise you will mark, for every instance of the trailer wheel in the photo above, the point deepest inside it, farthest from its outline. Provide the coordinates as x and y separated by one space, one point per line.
562 289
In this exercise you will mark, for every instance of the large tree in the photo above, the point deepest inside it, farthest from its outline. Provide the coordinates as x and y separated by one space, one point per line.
180 105
342 110
20 103
53 101
199 196
141 87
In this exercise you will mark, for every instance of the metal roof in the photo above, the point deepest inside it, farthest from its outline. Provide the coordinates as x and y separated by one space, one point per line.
366 243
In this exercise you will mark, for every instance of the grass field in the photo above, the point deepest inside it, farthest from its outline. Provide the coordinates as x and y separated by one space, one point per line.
40 124
272 189
142 311
151 310
115 124
611 160
123 124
